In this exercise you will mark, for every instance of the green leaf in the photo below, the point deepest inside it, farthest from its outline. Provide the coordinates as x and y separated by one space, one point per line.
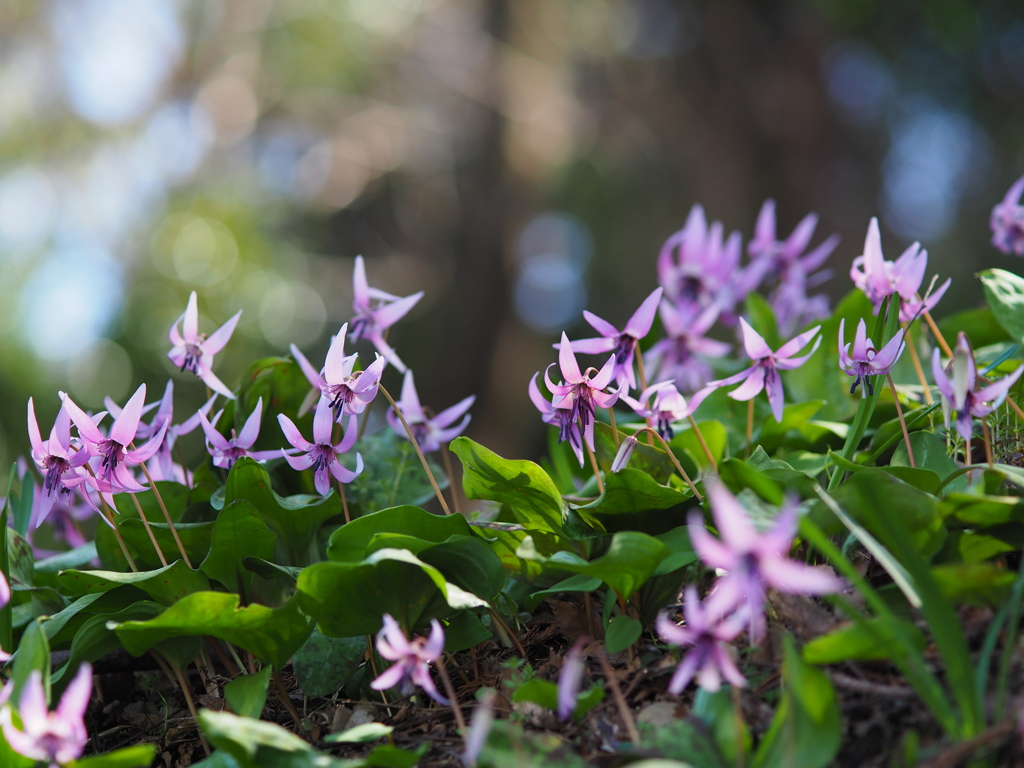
650 459
545 694
632 501
72 558
93 639
393 474
6 611
324 664
139 756
622 631
348 599
239 532
33 655
165 585
860 641
1005 294
295 519
807 729
247 694
575 583
738 475
982 511
361 734
981 584
929 453
244 738
271 634
195 537
468 563
979 324
464 630
506 544
526 488
686 440
348 544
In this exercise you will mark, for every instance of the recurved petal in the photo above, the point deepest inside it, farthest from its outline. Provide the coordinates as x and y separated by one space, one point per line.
76 697
127 422
567 363
215 343
311 373
713 553
251 428
448 415
390 314
890 353
343 473
754 344
190 329
360 288
639 324
797 343
208 377
795 578
337 366
34 437
601 326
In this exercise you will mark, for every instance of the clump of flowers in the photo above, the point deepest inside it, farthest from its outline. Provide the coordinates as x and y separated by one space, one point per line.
1008 221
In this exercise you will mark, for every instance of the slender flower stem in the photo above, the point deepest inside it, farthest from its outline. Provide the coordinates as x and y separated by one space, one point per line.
988 442
642 375
675 462
167 515
917 365
750 426
496 617
967 453
450 471
373 668
149 530
939 339
344 500
117 535
615 429
703 442
903 422
449 689
282 694
173 673
1016 408
419 451
620 700
597 471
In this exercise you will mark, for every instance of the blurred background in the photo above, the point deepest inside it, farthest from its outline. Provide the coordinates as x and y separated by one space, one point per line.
518 160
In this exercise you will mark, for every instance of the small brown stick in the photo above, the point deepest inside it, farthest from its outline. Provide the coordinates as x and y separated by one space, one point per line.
230 668
173 672
988 442
703 443
373 668
511 633
167 515
588 606
344 500
450 470
282 694
917 366
419 451
449 689
903 422
145 524
620 700
597 471
873 689
954 755
675 462
1016 408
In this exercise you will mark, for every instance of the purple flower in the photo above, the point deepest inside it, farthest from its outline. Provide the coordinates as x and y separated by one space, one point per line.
321 454
879 278
579 393
779 256
558 417
753 560
430 433
764 373
865 361
113 474
193 351
1008 221
680 355
56 459
710 635
570 678
479 726
668 407
226 452
371 321
961 394
56 737
412 657
623 343
348 391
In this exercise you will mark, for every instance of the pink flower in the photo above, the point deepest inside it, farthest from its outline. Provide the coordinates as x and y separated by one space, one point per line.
321 454
865 361
56 459
412 657
1008 221
668 407
56 737
579 393
430 433
348 391
680 356
371 320
193 351
558 417
570 678
225 451
764 373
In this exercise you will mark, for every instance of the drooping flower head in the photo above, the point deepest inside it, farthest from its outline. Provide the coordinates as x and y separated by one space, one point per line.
412 659
764 373
879 278
321 454
667 407
226 451
865 361
56 458
558 417
347 390
962 394
430 433
681 355
376 311
194 351
579 393
1008 221
622 343
56 737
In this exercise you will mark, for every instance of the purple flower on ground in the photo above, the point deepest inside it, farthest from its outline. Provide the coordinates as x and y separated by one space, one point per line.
622 343
321 454
348 391
865 361
961 393
710 634
879 278
764 373
56 459
430 433
1008 221
225 451
412 659
479 726
580 393
371 321
753 560
570 678
680 355
668 407
194 351
558 417
56 737
113 451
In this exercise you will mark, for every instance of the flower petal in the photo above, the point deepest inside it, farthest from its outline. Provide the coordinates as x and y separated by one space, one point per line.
219 338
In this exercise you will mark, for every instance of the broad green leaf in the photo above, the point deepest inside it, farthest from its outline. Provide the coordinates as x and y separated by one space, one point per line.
860 641
795 418
175 498
295 519
545 693
631 559
6 611
528 491
929 453
681 552
239 532
324 664
982 511
33 655
1005 294
738 475
270 634
349 542
361 734
139 756
731 734
244 737
464 630
285 574
715 437
648 458
247 694
981 584
918 477
393 474
348 599
507 542
195 537
72 558
622 631
974 547
165 585
20 559
575 583
632 501
468 563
